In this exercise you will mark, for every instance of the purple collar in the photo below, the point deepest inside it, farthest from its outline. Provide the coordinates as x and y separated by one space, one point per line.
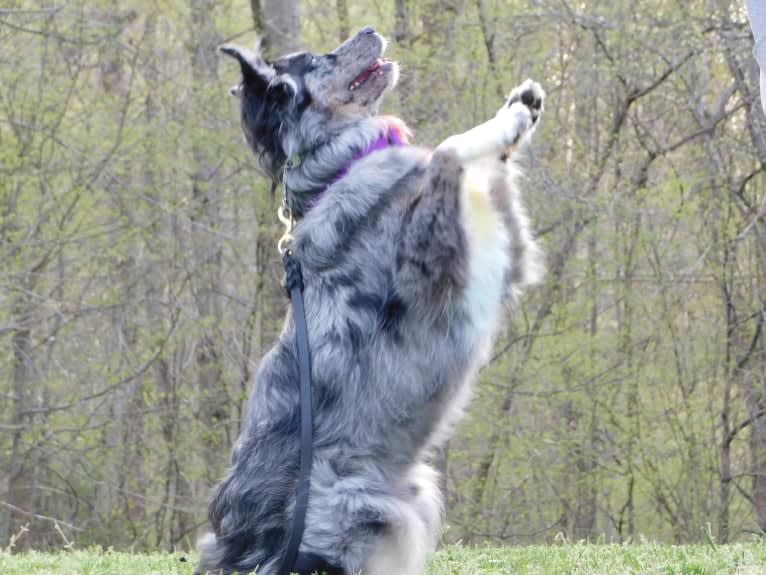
390 138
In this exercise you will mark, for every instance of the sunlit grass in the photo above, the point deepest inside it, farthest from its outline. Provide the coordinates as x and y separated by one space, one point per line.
574 559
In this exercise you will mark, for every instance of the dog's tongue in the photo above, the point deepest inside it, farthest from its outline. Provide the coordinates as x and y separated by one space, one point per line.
364 76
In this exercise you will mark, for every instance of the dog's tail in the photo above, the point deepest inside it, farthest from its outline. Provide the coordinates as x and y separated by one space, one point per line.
249 523
215 557
210 554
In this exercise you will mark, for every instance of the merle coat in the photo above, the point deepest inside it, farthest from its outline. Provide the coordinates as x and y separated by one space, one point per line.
407 260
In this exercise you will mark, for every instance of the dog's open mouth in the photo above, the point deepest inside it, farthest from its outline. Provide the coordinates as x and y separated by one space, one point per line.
378 68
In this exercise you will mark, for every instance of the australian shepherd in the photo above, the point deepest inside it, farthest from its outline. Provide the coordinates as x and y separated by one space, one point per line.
408 255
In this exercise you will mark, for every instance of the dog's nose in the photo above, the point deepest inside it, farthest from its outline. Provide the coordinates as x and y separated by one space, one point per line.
367 30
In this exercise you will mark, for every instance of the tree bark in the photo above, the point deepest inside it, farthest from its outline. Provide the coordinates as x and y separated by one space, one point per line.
344 30
281 26
22 357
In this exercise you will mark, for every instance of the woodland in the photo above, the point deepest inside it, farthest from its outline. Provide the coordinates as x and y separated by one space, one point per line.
139 281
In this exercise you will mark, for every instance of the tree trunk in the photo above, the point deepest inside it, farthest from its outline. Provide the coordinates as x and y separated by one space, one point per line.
724 471
402 33
211 389
344 30
281 24
22 350
755 401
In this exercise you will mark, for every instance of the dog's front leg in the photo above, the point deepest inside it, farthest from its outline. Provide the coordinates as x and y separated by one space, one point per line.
496 137
434 250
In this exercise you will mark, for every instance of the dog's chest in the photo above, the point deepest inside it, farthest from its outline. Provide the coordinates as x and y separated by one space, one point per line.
488 250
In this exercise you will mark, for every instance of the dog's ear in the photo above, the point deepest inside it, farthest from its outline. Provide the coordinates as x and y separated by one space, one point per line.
283 89
255 70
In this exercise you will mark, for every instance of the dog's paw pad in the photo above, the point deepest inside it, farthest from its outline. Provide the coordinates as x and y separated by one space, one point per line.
531 95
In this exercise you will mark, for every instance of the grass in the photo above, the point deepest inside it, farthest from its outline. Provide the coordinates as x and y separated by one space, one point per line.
574 559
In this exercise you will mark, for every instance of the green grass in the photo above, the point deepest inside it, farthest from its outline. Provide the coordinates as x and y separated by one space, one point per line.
575 559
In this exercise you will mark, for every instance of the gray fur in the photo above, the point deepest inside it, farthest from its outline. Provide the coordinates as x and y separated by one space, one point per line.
399 326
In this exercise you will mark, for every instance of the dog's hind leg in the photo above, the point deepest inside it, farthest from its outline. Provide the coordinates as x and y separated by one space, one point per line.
505 131
408 540
432 252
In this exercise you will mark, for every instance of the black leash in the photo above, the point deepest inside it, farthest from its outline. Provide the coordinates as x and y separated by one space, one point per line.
294 561
294 285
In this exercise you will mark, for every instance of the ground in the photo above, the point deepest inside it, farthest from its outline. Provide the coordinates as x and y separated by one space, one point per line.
570 559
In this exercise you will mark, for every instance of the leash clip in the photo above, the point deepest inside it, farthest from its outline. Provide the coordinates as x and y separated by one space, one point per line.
285 216
284 213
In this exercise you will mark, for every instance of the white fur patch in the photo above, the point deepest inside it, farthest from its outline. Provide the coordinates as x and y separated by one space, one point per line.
488 248
403 550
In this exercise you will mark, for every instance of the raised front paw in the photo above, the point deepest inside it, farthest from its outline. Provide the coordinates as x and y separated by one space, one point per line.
520 113
530 95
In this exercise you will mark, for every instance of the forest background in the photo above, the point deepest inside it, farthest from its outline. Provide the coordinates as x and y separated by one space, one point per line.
139 282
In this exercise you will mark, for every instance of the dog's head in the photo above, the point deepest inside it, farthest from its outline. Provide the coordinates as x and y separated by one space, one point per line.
289 103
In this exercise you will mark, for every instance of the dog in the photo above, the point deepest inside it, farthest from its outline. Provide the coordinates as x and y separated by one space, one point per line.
407 256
